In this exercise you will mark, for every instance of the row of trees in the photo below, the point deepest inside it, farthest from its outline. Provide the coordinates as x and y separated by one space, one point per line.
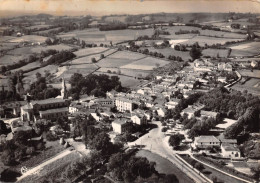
59 58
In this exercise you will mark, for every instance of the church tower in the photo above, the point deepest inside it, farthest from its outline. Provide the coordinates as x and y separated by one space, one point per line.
63 89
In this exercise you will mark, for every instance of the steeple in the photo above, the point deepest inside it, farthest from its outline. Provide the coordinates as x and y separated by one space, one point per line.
63 89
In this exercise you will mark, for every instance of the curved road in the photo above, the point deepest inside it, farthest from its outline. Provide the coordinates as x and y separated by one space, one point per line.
153 141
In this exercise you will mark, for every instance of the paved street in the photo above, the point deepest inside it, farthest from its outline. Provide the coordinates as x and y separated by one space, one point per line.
155 142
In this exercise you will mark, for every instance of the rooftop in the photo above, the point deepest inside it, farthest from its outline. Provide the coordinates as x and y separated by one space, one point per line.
230 148
64 109
209 138
47 101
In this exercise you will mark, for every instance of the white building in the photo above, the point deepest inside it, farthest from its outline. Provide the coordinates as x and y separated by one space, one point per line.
120 125
230 151
123 104
139 119
203 142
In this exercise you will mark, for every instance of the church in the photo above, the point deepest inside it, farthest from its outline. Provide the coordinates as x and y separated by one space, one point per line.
46 109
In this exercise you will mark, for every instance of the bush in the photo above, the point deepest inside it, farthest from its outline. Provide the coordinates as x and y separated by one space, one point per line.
164 129
30 150
51 137
199 166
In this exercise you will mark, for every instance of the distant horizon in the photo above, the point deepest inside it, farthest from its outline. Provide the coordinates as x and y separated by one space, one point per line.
119 7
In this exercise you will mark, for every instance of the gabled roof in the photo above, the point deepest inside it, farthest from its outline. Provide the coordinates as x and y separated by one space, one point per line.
48 101
64 109
209 138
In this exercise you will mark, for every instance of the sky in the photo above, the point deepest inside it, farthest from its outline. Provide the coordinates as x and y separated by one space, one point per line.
105 7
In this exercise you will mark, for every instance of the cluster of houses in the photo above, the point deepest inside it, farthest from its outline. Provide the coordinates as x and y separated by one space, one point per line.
228 147
205 65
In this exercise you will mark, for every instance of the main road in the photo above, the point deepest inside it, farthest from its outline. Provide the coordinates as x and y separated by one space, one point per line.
155 142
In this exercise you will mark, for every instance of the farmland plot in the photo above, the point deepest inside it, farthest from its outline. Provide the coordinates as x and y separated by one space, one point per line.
170 51
245 49
202 40
28 66
11 59
147 63
29 38
89 51
127 72
215 52
127 55
113 62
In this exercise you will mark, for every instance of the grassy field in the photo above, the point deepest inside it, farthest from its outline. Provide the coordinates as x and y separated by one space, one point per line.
89 51
95 36
6 38
147 63
164 166
170 51
38 26
11 59
53 169
215 52
245 49
28 66
29 38
252 86
113 62
202 40
128 72
245 72
127 55
47 31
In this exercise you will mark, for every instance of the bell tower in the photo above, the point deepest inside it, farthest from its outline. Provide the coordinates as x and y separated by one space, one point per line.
63 89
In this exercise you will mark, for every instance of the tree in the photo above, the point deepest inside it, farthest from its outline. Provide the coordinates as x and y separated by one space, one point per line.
198 166
175 140
102 56
170 178
8 157
195 53
48 41
3 128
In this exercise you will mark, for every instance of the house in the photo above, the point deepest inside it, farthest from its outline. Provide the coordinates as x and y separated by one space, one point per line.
230 151
222 79
203 142
121 125
192 109
105 102
123 104
139 118
172 103
225 66
161 111
254 64
75 107
209 114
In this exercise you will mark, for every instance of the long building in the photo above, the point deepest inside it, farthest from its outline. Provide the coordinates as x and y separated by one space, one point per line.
48 108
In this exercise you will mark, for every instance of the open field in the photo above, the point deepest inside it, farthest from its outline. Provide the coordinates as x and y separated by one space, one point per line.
245 72
4 46
89 51
113 62
28 66
47 31
49 169
11 59
127 55
128 72
245 49
164 166
202 40
147 63
215 52
170 51
252 86
6 38
29 38
38 26
95 36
